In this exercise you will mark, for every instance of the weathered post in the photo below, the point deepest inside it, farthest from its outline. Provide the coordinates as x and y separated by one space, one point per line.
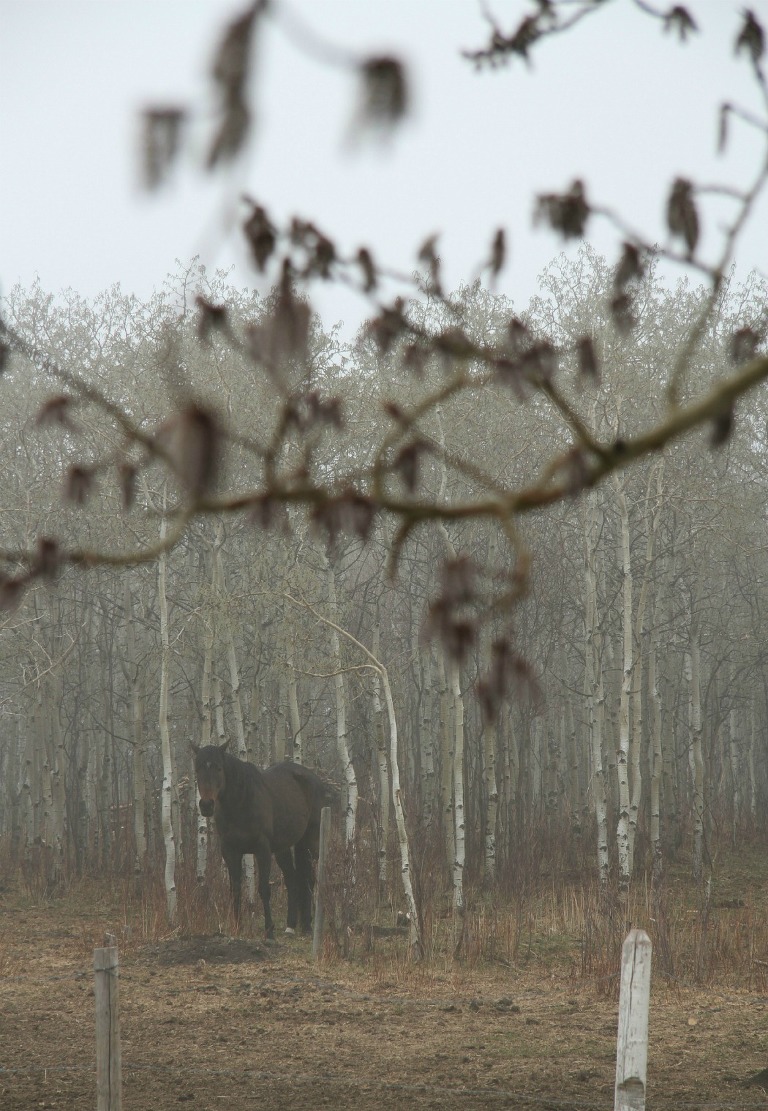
634 1001
108 1063
317 937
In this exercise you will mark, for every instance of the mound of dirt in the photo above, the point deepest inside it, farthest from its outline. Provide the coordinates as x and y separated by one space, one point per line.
206 950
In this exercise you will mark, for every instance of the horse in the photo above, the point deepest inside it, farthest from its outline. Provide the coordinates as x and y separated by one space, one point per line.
274 811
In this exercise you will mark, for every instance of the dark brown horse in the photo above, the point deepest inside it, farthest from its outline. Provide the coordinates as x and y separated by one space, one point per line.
264 812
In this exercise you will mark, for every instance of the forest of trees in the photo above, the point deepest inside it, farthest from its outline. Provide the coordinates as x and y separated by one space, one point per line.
496 569
632 715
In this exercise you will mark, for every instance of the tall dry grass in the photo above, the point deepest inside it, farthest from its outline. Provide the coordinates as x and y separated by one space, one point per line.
712 933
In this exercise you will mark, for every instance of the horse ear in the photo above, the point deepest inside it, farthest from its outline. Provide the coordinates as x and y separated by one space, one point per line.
222 747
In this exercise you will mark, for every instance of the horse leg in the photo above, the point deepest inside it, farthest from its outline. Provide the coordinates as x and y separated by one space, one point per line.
285 862
304 883
263 857
234 863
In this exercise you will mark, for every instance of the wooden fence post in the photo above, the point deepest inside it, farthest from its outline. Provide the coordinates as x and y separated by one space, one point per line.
634 1002
108 1063
317 937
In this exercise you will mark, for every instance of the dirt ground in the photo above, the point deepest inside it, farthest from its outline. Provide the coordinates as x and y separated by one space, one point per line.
238 1023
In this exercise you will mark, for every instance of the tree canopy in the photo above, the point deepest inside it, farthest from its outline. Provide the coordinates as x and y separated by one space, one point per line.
245 406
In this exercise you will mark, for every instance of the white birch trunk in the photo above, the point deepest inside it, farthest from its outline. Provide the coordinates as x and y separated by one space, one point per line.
52 744
594 689
416 946
224 609
218 708
294 717
137 730
59 808
655 758
350 777
751 763
623 834
383 769
576 776
652 504
46 776
217 604
206 738
424 655
458 789
553 734
734 744
28 788
696 756
490 744
165 738
536 734
280 737
447 741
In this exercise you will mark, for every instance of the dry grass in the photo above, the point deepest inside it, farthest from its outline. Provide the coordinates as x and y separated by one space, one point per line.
526 1005
713 934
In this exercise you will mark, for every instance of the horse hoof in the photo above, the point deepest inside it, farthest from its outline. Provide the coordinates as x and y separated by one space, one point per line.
290 932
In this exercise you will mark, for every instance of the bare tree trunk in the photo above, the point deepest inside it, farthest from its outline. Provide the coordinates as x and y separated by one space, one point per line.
751 763
447 741
623 832
651 516
224 611
253 719
294 717
383 768
43 746
206 735
579 763
137 731
348 767
695 752
29 788
510 756
165 737
458 788
655 757
734 745
490 738
427 735
416 946
280 747
594 689
218 706
553 732
417 949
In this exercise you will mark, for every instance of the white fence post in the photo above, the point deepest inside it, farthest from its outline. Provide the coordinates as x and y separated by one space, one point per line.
317 937
634 1002
108 1062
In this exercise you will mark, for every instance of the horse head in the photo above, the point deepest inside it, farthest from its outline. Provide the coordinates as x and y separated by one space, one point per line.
211 777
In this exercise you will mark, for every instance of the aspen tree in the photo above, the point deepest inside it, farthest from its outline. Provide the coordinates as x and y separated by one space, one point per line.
165 737
594 687
623 840
382 765
695 750
139 744
342 745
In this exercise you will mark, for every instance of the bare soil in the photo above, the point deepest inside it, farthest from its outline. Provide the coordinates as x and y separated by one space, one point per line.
216 1021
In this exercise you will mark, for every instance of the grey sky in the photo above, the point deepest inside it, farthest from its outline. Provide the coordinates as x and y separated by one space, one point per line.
617 102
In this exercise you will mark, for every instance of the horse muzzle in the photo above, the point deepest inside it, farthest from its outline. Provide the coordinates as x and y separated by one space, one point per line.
207 807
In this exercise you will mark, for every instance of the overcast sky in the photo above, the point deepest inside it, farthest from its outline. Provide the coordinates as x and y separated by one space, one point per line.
616 102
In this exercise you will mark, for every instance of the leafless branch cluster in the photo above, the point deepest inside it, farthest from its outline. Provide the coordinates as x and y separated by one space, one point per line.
190 441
